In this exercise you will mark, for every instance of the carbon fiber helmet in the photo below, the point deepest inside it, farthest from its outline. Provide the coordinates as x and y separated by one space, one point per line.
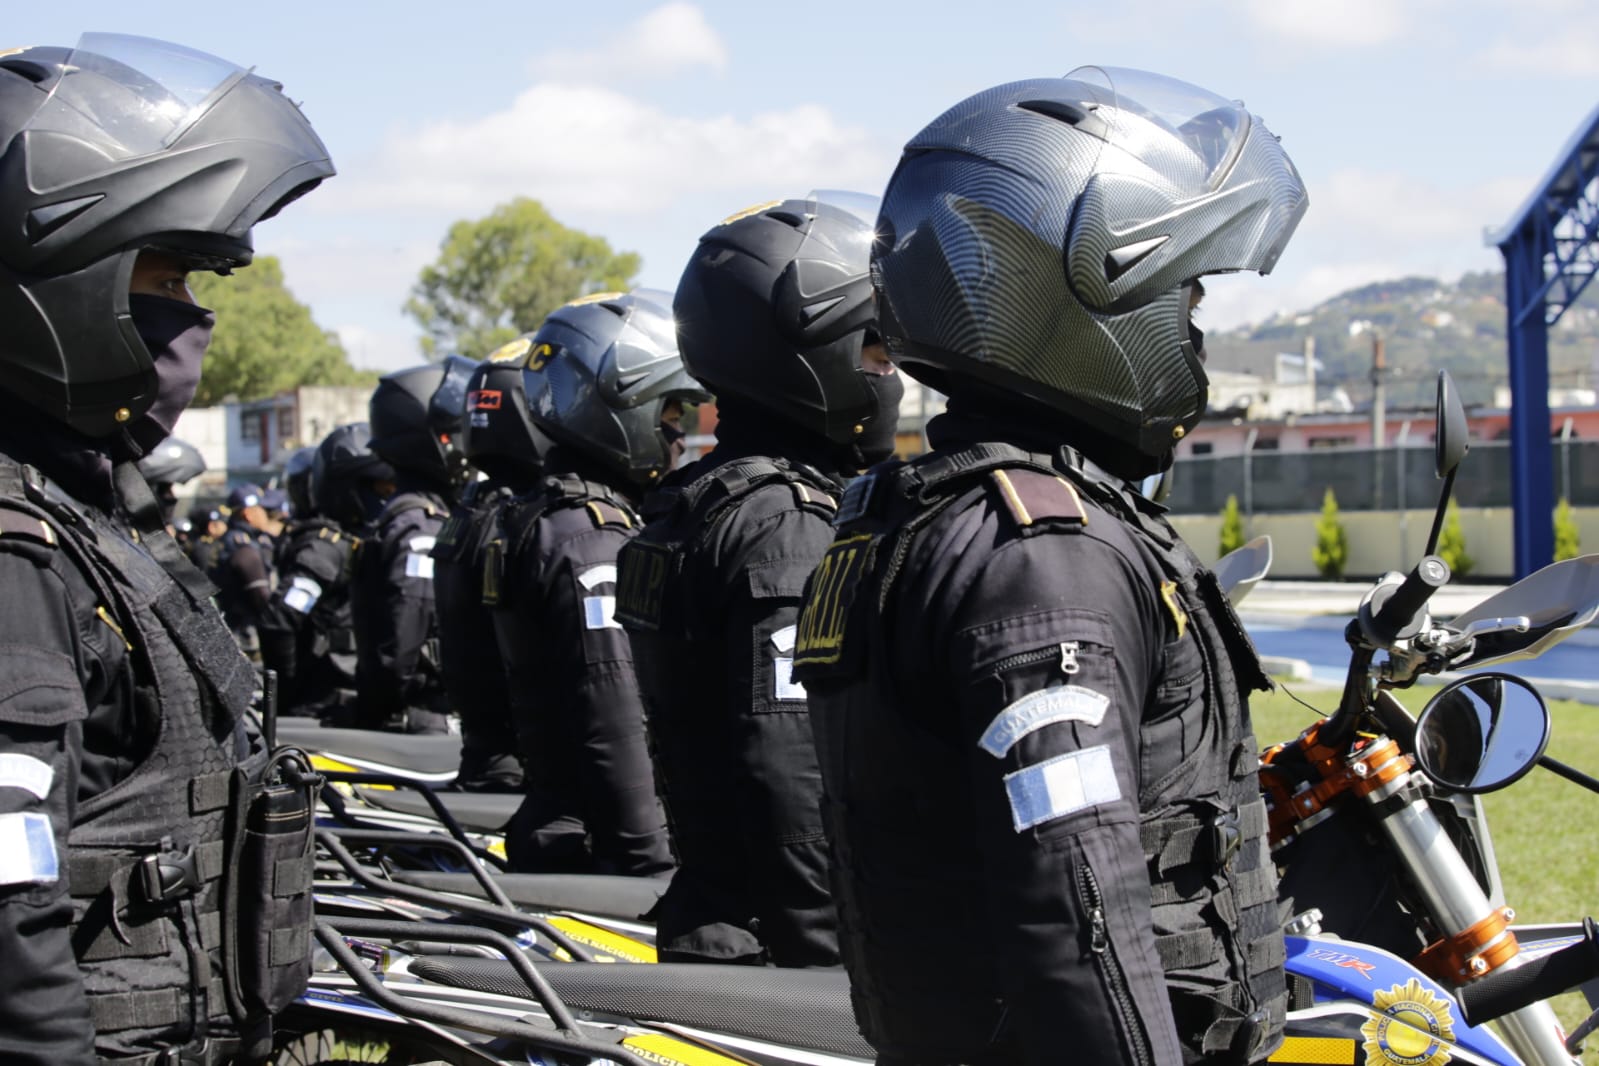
416 415
599 375
775 305
172 462
1038 238
297 480
342 473
499 437
116 145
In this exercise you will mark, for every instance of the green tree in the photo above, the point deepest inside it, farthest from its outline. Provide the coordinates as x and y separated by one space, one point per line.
1568 538
1330 553
1232 526
1452 544
265 341
499 276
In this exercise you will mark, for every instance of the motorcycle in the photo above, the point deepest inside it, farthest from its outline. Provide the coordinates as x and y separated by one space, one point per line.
1398 953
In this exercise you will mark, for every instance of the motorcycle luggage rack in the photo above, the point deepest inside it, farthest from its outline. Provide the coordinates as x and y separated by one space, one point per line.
340 809
567 1037
502 911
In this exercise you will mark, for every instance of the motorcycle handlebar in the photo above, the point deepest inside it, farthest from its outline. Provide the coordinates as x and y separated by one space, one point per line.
1511 988
1406 601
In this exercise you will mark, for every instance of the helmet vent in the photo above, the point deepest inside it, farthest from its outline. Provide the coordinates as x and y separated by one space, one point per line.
793 218
1119 261
43 221
1079 116
811 312
27 68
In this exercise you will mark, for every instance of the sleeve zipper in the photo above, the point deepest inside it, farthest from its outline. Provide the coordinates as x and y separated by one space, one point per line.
1099 944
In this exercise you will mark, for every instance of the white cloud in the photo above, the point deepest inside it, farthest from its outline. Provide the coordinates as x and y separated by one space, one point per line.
1572 53
595 150
1373 208
669 39
1345 23
379 349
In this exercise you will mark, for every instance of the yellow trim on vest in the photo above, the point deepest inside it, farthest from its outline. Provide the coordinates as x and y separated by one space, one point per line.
1017 508
105 616
1168 596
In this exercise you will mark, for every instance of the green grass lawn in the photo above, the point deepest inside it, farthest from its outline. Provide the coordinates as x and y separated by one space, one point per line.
1542 825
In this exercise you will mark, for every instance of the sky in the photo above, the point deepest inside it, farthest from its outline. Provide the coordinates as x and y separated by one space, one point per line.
1416 124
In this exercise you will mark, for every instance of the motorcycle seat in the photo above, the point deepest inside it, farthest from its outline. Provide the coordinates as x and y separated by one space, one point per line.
797 1008
627 898
484 812
432 754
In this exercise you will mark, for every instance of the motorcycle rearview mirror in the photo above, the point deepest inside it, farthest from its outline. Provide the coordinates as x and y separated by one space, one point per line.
1451 442
1156 487
1482 733
1553 603
1242 568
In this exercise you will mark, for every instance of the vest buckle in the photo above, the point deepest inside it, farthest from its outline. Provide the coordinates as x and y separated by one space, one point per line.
165 878
1226 837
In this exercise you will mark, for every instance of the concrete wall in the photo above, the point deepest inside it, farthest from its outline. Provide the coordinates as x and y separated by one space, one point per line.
1378 541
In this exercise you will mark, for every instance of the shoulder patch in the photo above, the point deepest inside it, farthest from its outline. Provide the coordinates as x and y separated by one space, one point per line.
608 514
1032 496
19 524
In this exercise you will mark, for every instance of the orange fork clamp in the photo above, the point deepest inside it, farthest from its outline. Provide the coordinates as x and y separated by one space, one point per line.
1368 767
1472 952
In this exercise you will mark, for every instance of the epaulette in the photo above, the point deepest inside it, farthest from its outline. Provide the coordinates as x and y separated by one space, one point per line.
809 496
604 513
1032 496
16 523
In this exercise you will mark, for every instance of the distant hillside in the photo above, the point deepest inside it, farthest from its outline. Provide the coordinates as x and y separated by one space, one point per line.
1426 325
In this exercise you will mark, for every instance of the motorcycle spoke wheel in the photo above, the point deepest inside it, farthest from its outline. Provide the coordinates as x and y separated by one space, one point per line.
335 1047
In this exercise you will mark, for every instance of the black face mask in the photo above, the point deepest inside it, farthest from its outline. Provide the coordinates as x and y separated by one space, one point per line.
176 333
674 442
876 443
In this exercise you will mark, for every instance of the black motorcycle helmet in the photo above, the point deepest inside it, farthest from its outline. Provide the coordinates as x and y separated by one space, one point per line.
599 376
297 481
172 462
416 415
775 305
499 437
344 473
118 145
1037 242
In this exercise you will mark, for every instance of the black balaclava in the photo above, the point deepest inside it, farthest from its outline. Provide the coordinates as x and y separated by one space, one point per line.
977 412
877 442
176 333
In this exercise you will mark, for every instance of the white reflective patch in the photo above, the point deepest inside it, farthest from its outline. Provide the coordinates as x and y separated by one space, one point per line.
599 612
785 687
597 575
783 639
27 850
1061 786
1063 703
303 594
419 565
26 772
423 544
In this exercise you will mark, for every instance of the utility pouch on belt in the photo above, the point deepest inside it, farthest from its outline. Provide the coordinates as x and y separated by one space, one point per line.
267 894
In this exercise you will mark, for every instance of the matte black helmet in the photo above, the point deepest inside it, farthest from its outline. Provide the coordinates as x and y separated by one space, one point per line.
416 415
775 305
599 376
343 472
499 437
117 145
297 480
1039 238
172 462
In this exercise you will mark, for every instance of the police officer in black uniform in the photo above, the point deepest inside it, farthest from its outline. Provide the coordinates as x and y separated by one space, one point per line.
502 444
774 315
207 524
306 631
603 379
128 163
414 415
1029 696
243 572
173 462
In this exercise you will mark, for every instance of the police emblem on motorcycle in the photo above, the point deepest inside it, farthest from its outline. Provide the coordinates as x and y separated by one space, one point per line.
1415 1027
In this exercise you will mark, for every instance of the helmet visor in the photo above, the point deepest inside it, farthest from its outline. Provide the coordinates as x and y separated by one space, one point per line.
848 244
447 406
142 93
1144 115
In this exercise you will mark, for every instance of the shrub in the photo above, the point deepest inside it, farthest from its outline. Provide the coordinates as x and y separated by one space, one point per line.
1232 527
1331 551
1452 544
1568 539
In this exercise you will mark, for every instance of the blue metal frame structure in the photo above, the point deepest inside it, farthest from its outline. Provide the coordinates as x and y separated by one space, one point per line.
1551 250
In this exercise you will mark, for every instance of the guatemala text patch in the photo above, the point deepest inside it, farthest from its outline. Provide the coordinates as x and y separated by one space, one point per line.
26 772
1063 703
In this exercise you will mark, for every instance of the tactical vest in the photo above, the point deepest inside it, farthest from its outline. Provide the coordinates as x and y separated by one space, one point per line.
1203 826
667 624
518 518
327 554
157 863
